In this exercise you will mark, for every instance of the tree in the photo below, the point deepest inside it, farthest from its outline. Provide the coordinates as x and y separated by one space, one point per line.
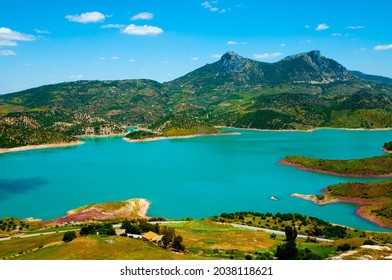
107 229
69 236
288 250
291 234
177 243
168 235
131 228
88 230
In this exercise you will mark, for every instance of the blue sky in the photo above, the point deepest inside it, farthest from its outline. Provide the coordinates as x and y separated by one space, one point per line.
45 42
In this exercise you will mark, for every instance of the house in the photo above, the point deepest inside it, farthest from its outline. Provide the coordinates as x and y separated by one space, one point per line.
152 237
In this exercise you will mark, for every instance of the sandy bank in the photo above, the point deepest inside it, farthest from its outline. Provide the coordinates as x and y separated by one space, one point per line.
360 212
177 137
301 167
133 208
43 146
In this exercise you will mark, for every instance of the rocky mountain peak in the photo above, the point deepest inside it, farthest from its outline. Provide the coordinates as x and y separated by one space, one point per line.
316 68
231 62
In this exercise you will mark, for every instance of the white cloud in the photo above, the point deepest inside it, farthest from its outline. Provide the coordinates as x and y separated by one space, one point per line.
355 27
88 17
143 16
132 60
267 55
75 77
216 56
9 34
8 43
195 58
307 26
336 34
7 53
282 45
107 58
39 31
383 47
206 5
209 6
118 26
232 43
322 26
142 30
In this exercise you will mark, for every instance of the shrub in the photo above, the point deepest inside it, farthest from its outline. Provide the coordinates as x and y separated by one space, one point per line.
344 247
69 236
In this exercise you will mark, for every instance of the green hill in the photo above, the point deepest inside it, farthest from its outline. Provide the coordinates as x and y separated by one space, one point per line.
301 91
379 166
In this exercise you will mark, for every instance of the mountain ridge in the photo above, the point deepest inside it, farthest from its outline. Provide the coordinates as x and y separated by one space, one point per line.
301 91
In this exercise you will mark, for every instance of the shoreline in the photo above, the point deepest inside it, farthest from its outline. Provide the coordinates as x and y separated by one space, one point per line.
42 146
152 139
361 206
101 136
135 207
333 173
306 130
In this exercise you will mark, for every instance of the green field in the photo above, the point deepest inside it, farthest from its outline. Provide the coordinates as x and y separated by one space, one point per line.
203 239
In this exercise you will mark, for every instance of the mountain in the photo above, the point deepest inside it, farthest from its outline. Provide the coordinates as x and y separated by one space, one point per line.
301 91
312 68
372 78
309 67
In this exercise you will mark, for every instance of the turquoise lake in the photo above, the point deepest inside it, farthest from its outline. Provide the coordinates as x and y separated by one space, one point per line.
195 177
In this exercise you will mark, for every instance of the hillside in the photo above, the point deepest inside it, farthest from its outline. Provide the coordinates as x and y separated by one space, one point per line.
301 91
374 167
207 239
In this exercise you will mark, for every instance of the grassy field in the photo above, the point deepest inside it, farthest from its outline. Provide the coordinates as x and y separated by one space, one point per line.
103 248
203 239
206 238
367 167
25 247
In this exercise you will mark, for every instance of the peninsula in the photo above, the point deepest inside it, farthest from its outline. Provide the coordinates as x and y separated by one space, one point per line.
127 209
175 126
374 167
374 199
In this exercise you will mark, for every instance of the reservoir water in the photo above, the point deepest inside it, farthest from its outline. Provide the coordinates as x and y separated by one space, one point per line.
196 177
